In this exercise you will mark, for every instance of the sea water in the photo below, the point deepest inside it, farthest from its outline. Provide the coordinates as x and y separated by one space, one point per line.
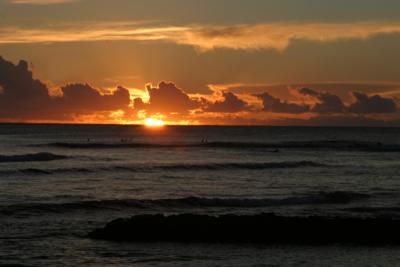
59 182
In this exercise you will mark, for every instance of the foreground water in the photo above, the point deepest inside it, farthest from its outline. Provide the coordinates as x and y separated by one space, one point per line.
59 182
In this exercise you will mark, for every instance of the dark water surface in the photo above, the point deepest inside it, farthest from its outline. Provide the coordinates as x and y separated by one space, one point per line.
59 182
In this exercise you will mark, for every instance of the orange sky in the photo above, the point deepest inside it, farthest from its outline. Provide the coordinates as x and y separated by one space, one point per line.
314 62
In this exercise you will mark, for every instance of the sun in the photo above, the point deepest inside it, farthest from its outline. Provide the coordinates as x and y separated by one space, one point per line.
150 122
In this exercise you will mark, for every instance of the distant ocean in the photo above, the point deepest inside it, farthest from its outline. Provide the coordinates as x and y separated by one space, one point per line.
60 182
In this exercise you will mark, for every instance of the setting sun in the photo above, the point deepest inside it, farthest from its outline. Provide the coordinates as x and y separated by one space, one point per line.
154 122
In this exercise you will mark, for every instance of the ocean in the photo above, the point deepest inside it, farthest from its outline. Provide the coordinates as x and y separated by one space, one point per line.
60 182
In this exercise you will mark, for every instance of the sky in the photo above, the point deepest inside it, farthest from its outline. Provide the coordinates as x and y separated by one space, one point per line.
193 62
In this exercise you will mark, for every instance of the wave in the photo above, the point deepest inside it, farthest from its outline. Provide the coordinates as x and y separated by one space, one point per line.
321 198
31 157
339 197
36 171
262 228
374 210
172 167
348 145
224 166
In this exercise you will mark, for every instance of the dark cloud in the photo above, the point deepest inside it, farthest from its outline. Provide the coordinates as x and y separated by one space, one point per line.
364 104
84 98
326 102
21 96
276 105
17 81
24 98
138 104
372 104
231 103
166 98
342 89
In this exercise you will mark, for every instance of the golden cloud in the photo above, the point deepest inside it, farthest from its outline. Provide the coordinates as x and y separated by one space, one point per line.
247 37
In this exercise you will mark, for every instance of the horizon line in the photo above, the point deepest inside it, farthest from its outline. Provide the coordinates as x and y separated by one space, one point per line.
197 125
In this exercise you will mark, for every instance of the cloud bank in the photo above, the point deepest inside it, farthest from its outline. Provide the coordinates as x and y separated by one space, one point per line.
24 98
328 103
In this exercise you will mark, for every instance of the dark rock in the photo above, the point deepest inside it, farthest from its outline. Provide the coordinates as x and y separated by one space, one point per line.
263 228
